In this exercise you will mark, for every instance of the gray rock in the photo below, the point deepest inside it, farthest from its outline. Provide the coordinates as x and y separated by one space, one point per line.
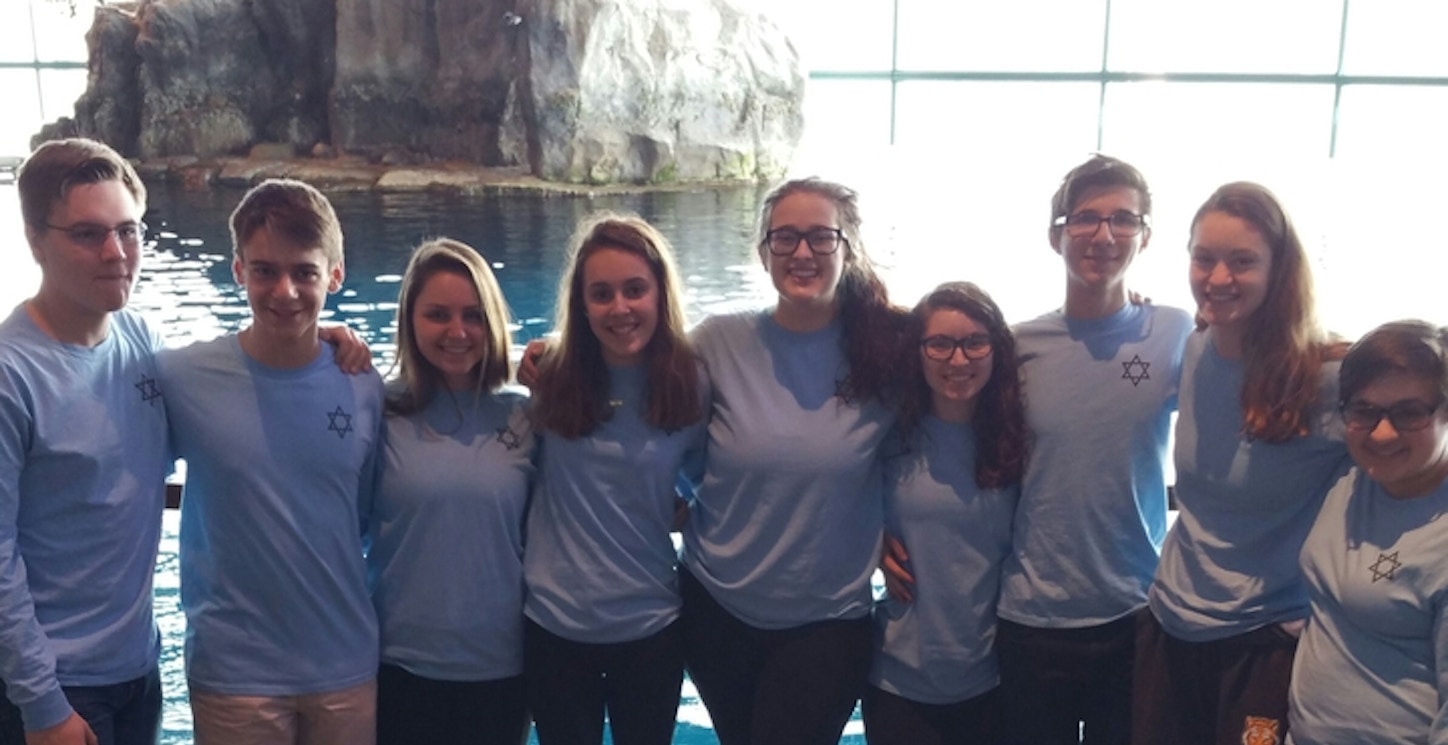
429 75
583 91
660 91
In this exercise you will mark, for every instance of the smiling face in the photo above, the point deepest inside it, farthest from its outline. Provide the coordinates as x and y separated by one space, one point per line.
1407 463
1231 264
449 329
80 282
1096 262
803 278
286 287
956 382
621 300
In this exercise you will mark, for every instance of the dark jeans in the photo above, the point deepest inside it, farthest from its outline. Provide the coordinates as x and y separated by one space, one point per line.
1064 686
795 686
896 720
1221 692
126 713
571 684
413 709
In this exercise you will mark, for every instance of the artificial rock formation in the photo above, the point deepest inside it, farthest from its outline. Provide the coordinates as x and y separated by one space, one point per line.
589 91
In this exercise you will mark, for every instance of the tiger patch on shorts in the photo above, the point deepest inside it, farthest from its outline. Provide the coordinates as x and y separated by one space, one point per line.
1261 731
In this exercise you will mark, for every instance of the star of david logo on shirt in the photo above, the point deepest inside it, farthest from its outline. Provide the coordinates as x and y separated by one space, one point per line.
509 438
148 389
1135 370
1384 567
340 422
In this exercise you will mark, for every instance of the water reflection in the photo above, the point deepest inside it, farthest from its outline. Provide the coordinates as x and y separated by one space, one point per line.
188 289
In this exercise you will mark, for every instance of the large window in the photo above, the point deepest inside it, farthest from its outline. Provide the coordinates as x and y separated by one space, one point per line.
956 112
960 117
42 66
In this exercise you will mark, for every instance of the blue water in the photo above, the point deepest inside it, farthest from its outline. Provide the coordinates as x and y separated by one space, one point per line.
187 290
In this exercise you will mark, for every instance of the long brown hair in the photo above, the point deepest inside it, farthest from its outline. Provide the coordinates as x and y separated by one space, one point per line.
874 331
420 379
1283 348
571 397
1000 416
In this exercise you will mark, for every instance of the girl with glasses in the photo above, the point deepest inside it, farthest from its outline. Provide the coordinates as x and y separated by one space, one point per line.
1258 443
785 531
950 497
1372 667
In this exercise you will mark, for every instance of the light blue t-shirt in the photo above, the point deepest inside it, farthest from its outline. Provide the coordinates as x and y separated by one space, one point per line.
1372 665
272 575
1099 398
83 464
940 647
786 528
600 564
445 528
1229 564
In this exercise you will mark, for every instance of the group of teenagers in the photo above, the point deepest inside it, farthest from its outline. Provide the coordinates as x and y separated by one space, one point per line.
443 557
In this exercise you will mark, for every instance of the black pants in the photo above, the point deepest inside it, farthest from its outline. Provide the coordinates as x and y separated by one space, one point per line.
795 686
571 684
126 713
896 720
413 709
1064 686
1222 692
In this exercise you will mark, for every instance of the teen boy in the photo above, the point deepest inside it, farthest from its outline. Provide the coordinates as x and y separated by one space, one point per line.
1100 381
281 640
82 463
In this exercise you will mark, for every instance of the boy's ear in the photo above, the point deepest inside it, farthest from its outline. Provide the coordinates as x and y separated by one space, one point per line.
334 283
32 237
237 271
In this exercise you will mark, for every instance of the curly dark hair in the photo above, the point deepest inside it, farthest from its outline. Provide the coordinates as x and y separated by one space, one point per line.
1001 439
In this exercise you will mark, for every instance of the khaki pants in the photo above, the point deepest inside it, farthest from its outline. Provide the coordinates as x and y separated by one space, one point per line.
345 717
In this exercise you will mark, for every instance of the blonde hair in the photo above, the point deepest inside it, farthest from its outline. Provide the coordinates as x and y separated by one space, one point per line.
420 379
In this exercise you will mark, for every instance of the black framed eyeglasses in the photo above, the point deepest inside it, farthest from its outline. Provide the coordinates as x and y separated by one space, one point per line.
822 241
1405 416
941 348
1120 222
93 235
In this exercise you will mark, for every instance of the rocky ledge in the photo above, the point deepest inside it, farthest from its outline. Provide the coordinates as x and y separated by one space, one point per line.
358 173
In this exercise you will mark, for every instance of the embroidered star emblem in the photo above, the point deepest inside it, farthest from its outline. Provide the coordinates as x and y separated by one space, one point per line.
1384 567
340 422
1135 370
148 389
509 438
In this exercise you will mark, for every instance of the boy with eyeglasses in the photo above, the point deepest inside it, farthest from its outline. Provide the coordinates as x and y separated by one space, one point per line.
1100 378
82 463
281 641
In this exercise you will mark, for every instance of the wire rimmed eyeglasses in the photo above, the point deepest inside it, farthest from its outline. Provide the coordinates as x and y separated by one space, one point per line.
94 235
